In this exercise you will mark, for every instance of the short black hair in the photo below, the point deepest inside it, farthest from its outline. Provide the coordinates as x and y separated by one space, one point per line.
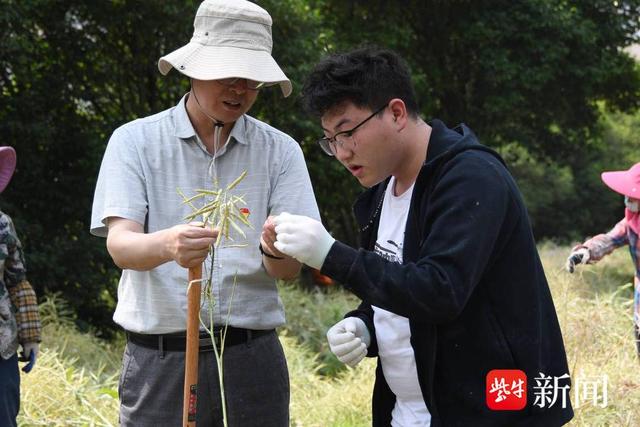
368 77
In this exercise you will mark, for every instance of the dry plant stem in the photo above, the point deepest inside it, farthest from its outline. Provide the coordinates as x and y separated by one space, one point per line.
211 330
208 291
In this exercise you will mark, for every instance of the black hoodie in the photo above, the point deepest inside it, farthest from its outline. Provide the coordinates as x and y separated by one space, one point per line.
471 284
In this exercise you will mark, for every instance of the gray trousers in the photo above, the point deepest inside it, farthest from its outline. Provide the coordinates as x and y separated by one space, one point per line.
256 383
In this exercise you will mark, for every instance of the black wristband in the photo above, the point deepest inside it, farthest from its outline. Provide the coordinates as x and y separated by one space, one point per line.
268 255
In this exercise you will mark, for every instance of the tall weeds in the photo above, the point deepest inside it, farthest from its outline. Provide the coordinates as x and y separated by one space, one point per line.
75 380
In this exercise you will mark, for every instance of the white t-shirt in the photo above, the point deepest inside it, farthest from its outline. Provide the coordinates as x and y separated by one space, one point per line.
392 331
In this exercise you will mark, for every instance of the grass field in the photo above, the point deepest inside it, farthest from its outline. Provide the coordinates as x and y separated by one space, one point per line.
75 380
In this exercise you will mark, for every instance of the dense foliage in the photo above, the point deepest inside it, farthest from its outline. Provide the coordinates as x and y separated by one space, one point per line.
545 82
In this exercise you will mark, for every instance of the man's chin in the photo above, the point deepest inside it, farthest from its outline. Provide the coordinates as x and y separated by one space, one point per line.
369 182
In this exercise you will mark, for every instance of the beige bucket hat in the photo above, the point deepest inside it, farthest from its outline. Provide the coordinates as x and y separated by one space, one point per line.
231 38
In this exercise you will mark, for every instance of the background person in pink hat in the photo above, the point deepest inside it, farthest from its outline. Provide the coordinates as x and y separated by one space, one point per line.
625 232
207 138
19 319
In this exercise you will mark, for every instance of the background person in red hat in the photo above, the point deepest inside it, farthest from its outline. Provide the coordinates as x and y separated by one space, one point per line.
19 319
625 232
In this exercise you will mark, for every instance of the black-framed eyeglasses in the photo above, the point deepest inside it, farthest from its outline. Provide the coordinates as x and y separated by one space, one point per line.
251 84
343 138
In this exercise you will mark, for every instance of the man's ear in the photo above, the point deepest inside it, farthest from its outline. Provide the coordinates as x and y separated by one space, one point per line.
399 112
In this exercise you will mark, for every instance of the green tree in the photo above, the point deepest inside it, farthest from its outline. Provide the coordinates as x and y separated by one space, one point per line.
529 73
70 73
73 71
533 78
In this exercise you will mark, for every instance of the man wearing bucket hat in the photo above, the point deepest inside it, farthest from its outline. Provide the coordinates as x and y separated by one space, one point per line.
19 319
625 232
206 139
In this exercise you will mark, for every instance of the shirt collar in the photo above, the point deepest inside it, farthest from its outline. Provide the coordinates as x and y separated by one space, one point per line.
238 132
184 128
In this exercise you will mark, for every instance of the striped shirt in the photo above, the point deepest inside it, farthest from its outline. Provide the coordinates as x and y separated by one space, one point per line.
144 165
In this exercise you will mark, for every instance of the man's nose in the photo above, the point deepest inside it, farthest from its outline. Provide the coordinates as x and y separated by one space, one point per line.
239 86
343 152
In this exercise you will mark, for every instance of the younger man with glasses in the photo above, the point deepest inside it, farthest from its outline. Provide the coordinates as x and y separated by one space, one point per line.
204 142
448 273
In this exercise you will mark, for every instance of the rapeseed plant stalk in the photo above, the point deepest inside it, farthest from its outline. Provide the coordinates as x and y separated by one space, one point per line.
225 213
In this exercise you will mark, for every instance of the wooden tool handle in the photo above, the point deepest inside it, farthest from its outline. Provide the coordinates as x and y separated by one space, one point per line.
192 349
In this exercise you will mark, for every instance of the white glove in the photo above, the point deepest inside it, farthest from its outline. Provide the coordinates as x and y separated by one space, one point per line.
303 238
579 256
349 340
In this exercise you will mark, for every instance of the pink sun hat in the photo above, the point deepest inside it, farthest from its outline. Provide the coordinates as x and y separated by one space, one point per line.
7 166
626 182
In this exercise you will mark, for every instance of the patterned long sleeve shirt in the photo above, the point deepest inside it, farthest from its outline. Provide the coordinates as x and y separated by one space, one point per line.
603 244
19 320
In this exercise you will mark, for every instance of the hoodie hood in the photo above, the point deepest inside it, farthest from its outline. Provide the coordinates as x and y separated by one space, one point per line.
444 144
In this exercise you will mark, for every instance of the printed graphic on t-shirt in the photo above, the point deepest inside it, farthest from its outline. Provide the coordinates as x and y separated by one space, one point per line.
393 253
